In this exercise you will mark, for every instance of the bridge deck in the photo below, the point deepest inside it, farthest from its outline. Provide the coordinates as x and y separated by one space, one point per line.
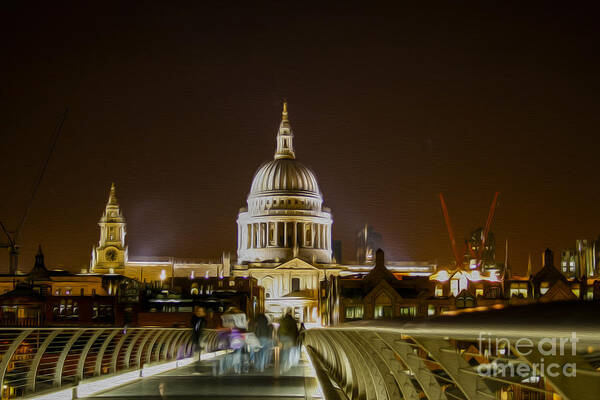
192 382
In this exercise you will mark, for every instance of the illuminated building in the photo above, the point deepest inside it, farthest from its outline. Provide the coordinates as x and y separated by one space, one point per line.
284 241
111 255
57 282
378 294
285 217
172 306
583 260
284 236
58 298
284 232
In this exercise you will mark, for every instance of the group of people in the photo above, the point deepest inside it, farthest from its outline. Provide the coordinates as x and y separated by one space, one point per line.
250 344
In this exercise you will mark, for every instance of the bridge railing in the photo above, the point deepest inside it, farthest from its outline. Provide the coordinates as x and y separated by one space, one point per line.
505 354
34 360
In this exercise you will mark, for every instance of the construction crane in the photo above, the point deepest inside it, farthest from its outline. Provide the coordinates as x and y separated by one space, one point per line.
12 243
457 257
477 255
488 224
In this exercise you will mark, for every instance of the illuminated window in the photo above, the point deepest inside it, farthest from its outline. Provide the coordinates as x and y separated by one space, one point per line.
231 283
544 286
590 294
478 292
431 310
518 290
383 312
454 287
354 312
439 291
408 311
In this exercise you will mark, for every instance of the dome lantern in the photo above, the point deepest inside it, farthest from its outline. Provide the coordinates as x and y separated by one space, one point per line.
285 137
284 218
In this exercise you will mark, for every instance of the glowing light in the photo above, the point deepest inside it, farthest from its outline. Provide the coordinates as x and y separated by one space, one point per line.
440 276
192 274
493 277
163 275
85 389
65 394
158 368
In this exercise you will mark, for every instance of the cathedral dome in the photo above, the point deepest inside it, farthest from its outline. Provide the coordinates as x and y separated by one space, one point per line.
284 176
285 217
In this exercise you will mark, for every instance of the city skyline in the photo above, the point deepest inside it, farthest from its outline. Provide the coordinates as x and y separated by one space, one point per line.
181 134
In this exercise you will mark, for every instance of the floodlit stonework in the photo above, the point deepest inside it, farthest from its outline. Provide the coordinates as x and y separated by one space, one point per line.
285 217
111 255
284 240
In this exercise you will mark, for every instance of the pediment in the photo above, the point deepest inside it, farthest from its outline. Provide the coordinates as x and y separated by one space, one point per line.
560 291
384 288
296 263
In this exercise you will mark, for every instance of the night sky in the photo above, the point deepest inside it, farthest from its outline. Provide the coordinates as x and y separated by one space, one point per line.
179 104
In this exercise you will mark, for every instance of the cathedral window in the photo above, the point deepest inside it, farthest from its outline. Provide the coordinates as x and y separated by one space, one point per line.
308 235
272 239
248 236
295 284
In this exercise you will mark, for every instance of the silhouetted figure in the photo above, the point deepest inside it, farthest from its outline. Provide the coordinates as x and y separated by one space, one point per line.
263 330
198 330
288 336
235 320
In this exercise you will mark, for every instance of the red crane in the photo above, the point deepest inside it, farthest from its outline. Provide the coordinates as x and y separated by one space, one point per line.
457 256
488 224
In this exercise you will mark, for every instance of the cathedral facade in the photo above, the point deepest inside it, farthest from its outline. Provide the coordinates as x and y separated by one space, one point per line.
284 232
284 239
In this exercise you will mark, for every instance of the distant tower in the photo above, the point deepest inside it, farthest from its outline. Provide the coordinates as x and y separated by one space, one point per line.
111 252
367 243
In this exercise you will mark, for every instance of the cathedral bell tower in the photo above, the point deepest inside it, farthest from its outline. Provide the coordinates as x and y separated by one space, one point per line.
110 255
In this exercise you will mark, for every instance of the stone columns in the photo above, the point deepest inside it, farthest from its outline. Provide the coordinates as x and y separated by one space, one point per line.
295 239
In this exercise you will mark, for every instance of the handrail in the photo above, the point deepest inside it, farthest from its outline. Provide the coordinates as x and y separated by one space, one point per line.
466 356
34 360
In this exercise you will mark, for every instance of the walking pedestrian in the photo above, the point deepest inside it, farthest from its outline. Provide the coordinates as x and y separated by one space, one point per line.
263 329
288 337
198 330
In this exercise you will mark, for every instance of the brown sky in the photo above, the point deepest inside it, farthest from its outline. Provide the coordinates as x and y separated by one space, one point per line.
178 103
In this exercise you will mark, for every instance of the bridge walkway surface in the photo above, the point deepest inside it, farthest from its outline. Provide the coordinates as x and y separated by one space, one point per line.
201 383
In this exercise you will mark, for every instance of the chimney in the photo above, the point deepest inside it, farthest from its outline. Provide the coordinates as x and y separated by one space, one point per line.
548 258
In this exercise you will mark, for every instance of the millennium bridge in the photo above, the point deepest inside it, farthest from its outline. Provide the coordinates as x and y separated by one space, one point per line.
543 351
